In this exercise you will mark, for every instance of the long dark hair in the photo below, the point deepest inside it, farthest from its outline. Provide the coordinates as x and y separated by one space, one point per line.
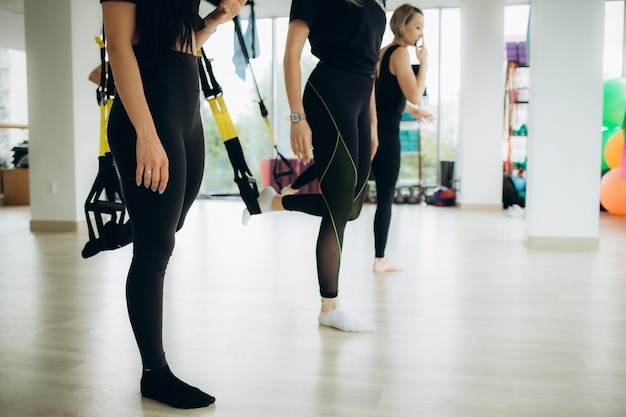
165 24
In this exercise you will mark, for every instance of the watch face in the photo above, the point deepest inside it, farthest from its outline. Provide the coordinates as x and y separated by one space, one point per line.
295 117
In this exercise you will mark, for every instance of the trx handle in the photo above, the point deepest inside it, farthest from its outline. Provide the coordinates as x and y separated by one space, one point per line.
242 175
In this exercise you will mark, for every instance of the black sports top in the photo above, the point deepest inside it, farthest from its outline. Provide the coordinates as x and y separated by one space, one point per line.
390 100
343 34
199 24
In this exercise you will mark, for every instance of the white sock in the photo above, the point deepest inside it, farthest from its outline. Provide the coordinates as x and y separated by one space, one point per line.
340 319
265 200
245 216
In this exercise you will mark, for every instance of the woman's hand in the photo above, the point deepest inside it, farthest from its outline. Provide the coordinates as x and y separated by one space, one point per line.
225 11
374 141
422 115
152 163
421 53
301 140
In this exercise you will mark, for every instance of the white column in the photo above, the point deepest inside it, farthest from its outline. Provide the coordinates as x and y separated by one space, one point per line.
479 164
62 109
565 120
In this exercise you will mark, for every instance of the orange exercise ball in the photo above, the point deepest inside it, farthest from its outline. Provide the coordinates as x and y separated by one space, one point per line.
613 192
613 149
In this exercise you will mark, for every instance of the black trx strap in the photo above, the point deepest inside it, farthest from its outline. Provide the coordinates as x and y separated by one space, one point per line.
105 201
276 173
213 93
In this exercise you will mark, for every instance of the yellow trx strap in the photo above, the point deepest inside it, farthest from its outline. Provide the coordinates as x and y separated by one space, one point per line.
105 100
222 118
243 176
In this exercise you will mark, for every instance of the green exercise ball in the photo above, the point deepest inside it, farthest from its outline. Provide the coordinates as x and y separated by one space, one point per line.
606 135
614 103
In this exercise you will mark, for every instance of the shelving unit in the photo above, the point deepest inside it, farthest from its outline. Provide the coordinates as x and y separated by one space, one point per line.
410 144
516 116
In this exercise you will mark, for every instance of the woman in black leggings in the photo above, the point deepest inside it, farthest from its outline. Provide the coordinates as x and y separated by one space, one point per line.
396 84
157 142
336 117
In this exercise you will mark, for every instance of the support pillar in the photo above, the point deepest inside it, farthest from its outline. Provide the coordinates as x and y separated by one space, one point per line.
63 112
564 124
479 165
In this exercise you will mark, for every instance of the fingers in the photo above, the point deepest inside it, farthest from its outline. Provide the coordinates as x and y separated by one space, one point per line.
303 153
301 138
155 179
230 8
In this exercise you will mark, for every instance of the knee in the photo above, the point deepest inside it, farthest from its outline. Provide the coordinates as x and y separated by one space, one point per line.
154 246
356 209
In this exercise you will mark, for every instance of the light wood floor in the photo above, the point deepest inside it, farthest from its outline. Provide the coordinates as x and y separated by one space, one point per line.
476 324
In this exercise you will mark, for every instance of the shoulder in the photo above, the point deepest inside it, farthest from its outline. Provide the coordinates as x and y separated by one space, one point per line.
304 10
399 59
398 54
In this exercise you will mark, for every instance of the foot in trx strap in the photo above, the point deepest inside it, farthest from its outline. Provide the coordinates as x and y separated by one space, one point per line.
341 319
385 265
288 190
113 236
265 200
162 385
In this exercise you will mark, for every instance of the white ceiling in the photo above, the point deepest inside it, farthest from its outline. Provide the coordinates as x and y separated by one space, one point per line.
274 8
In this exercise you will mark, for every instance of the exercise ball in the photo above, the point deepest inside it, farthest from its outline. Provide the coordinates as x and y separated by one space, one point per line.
606 135
444 197
614 103
613 150
613 192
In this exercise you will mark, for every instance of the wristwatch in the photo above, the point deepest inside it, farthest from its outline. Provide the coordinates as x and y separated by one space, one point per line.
296 117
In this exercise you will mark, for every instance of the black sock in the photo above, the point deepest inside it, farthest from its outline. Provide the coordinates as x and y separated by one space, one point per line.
113 236
162 385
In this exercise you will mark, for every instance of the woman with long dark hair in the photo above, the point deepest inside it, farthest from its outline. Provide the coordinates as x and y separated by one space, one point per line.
156 138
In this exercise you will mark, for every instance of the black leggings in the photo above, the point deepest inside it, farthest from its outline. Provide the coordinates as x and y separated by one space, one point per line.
172 91
336 103
386 168
307 176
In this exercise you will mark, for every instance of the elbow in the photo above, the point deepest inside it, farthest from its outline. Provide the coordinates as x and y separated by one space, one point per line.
414 100
117 50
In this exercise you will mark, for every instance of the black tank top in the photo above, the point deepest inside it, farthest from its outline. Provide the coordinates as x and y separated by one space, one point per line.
390 100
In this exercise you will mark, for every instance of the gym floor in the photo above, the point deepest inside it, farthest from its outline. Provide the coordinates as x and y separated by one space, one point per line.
476 324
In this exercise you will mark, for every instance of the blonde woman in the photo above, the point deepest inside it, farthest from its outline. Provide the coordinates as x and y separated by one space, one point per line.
396 84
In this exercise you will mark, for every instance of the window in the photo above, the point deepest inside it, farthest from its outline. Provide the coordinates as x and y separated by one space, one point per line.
613 39
438 139
13 106
242 102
